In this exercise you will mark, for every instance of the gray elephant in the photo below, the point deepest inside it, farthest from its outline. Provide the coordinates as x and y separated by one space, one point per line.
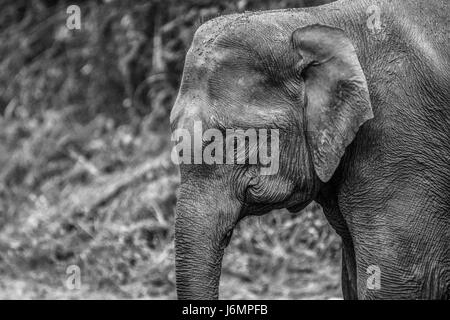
362 109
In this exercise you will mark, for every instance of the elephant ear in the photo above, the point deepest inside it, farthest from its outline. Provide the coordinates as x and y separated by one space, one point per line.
336 93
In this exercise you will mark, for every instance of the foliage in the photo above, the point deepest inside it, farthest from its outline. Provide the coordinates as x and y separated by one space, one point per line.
85 176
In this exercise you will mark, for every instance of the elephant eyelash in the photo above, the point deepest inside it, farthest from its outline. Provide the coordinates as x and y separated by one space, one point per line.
252 173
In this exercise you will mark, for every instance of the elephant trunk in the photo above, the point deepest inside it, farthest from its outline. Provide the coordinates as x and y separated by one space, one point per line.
198 253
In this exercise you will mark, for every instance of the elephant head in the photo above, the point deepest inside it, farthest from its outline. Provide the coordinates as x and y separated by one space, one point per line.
248 73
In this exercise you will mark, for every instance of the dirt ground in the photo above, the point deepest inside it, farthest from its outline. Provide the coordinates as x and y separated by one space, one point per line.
320 282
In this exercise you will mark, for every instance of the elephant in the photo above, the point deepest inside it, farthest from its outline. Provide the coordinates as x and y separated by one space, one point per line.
359 92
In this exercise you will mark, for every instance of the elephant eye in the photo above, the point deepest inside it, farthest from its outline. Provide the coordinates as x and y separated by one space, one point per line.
250 194
254 180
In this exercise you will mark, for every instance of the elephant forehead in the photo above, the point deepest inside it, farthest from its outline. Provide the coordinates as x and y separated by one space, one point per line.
229 59
252 36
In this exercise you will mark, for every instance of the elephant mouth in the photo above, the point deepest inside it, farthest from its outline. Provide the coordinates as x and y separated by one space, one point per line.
298 207
263 209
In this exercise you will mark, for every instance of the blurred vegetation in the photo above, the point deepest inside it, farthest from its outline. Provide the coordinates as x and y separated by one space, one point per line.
85 176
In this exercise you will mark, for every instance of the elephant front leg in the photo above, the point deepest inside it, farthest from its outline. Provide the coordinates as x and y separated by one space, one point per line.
348 278
404 269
